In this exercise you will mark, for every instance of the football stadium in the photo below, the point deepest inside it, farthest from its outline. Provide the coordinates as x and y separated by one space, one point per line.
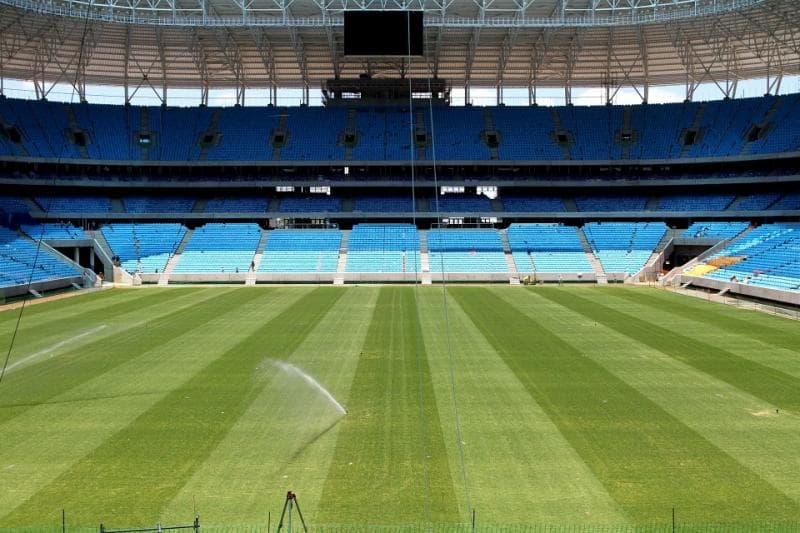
399 266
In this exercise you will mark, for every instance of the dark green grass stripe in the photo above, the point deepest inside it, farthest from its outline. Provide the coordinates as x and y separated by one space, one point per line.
41 383
718 316
774 386
32 325
378 472
648 460
152 458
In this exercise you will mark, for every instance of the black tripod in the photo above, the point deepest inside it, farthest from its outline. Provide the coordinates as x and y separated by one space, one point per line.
291 502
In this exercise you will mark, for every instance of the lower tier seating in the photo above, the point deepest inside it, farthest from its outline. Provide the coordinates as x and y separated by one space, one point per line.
23 260
220 248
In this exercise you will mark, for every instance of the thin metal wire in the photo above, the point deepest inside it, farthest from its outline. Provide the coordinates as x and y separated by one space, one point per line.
424 451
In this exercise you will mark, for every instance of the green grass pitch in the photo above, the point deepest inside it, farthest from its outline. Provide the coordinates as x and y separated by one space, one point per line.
577 408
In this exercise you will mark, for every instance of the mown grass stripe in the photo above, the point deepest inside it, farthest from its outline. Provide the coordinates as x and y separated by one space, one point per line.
70 426
39 383
35 330
54 306
155 455
776 387
378 473
718 316
648 460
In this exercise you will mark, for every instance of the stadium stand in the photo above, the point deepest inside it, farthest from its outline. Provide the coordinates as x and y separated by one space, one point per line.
383 248
238 204
23 261
11 204
532 204
547 248
624 247
788 202
158 204
217 248
458 133
53 231
755 202
526 133
383 204
466 250
720 230
611 203
695 202
323 144
244 134
301 251
768 256
74 204
143 248
311 204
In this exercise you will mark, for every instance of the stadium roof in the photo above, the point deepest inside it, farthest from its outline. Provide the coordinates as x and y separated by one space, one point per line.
247 44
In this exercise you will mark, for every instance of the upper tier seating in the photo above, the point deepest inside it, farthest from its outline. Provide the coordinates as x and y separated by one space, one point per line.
466 250
236 205
220 248
143 248
532 204
768 256
755 202
306 251
624 247
547 248
383 248
788 202
611 203
384 204
23 261
384 133
11 204
158 204
695 202
74 204
244 134
323 145
311 204
458 133
53 231
719 230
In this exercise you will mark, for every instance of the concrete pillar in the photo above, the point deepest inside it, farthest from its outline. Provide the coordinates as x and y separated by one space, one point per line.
91 258
77 255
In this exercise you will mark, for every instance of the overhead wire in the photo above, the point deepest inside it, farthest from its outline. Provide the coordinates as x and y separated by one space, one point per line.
423 420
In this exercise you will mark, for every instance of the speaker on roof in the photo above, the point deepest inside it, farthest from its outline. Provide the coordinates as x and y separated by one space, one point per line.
383 33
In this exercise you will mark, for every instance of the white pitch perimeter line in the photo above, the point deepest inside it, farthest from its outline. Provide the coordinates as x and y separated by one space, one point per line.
53 348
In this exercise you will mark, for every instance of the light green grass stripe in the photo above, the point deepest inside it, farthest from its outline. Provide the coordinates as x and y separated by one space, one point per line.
648 460
380 472
37 332
748 343
286 438
519 465
769 384
76 364
73 424
85 300
726 416
156 454
771 330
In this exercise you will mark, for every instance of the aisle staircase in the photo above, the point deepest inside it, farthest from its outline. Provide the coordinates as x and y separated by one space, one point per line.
341 264
257 257
599 272
163 277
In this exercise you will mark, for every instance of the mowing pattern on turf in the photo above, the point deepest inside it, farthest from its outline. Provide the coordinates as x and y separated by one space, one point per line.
579 407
